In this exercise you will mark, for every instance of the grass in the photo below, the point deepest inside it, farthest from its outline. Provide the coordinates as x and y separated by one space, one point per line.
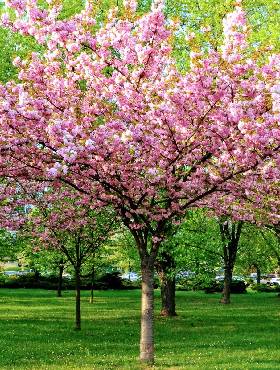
36 332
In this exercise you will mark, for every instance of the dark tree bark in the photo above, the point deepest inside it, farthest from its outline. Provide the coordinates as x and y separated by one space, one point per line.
275 250
92 284
227 282
78 296
60 273
36 275
165 266
168 301
230 235
258 275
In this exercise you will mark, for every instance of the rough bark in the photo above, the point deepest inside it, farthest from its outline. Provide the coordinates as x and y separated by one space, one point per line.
165 266
230 235
148 251
92 285
258 275
227 282
147 314
60 273
78 297
168 303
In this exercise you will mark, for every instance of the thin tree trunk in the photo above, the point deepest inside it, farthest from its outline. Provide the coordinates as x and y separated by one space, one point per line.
278 265
59 285
78 297
258 275
230 235
147 314
227 283
92 285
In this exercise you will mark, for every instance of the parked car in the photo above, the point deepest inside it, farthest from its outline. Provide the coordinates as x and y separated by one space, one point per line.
17 273
220 278
132 276
275 281
238 278
234 278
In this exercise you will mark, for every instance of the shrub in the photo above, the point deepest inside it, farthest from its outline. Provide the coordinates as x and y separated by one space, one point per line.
237 287
265 288
128 284
110 280
31 280
194 283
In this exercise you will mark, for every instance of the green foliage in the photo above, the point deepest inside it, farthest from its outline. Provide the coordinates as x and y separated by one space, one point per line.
265 288
199 248
12 45
10 244
120 252
259 248
263 17
195 282
36 332
45 261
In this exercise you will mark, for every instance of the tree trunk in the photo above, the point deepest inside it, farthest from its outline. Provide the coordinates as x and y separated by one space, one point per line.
165 266
227 282
167 290
258 275
147 314
148 253
92 285
278 264
78 297
230 235
59 285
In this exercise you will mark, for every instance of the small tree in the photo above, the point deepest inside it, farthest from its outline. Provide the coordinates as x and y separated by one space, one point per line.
60 223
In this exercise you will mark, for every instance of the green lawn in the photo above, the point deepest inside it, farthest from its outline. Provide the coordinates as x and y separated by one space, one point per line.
36 332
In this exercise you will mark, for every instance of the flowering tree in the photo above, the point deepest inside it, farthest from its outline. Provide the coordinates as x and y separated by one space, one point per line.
105 111
61 222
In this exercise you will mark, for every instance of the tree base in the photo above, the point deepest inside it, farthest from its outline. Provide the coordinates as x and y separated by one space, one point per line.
225 301
167 313
147 362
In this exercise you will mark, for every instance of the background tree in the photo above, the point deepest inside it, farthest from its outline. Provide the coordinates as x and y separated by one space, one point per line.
9 245
218 240
76 232
257 252
121 252
47 262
